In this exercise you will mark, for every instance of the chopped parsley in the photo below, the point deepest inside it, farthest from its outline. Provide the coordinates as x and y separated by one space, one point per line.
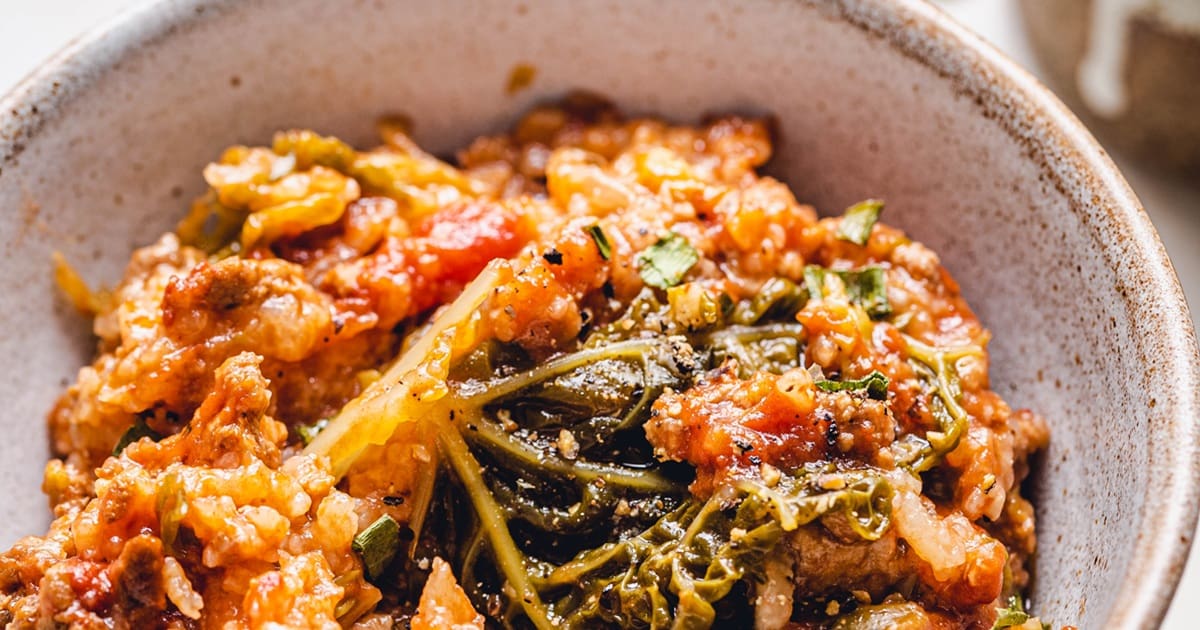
866 287
663 264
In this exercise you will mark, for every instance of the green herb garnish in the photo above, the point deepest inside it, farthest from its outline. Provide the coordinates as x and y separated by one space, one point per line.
875 383
866 287
1013 615
377 545
664 263
858 220
601 240
136 432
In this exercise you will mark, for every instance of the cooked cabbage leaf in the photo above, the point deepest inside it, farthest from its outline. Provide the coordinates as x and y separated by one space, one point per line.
676 573
409 386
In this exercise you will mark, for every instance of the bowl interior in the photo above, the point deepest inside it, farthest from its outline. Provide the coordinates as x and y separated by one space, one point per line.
103 152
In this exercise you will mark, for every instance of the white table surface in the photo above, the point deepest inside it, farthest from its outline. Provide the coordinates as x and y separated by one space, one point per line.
31 30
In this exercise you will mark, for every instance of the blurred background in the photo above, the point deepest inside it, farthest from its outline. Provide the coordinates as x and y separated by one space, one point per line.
1129 68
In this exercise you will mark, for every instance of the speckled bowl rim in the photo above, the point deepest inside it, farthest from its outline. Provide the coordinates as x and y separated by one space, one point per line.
1005 92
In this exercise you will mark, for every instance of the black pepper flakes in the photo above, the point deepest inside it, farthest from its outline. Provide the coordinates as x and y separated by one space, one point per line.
553 256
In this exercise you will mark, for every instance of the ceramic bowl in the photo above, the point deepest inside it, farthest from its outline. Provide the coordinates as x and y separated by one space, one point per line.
101 149
1130 67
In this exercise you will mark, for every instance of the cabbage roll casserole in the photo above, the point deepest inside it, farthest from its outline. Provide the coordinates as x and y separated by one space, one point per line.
595 372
